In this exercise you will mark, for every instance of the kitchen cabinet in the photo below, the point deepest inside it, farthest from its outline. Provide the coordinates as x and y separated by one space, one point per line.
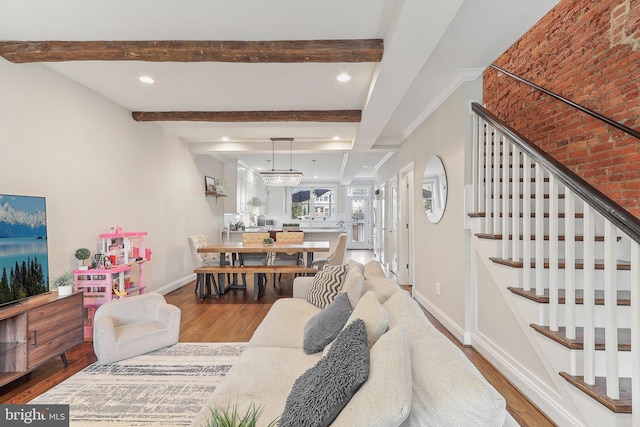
276 201
249 187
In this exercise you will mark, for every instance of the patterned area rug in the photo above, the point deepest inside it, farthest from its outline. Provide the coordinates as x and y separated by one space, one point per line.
167 387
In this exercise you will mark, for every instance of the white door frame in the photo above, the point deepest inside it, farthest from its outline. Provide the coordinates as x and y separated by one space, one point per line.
406 252
392 226
382 224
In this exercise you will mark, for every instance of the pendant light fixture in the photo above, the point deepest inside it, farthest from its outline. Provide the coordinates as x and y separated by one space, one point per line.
281 178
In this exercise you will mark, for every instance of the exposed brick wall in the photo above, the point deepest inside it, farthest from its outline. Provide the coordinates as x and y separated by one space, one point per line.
589 52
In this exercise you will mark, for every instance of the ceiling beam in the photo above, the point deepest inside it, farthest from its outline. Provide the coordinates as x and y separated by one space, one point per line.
335 116
281 51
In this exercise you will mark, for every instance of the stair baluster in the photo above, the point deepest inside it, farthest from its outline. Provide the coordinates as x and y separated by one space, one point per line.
589 296
495 192
507 166
570 267
610 308
515 203
554 212
539 251
476 170
635 330
488 175
526 222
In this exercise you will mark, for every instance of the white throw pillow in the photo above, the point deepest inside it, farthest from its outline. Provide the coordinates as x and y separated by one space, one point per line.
326 285
353 286
374 315
373 269
355 265
384 288
385 399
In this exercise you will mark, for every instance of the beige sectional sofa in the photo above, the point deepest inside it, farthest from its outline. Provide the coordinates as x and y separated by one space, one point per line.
417 376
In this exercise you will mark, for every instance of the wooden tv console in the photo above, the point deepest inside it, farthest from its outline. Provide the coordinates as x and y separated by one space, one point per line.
37 330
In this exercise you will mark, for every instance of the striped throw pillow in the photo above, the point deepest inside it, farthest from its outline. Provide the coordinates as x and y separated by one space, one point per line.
326 285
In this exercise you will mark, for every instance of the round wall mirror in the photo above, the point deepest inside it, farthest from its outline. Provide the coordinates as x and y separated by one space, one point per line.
434 189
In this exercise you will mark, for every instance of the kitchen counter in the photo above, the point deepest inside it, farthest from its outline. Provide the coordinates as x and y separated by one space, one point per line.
303 229
323 230
311 234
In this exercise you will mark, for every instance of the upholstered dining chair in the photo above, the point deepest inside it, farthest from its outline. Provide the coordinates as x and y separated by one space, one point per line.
252 259
336 257
283 258
202 259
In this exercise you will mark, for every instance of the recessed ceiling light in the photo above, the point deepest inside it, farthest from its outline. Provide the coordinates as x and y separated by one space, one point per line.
315 176
146 79
365 166
336 138
225 138
343 77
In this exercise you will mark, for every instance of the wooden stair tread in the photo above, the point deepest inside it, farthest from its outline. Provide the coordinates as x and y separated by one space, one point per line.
599 392
501 165
624 337
579 238
533 196
533 215
599 264
624 297
533 179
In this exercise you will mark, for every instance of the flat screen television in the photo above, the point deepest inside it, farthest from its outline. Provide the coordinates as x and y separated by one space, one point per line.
24 261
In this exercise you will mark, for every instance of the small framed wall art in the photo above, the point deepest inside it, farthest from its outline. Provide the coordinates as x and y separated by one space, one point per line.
209 184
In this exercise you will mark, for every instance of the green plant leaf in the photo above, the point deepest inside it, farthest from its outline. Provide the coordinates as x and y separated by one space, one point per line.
229 417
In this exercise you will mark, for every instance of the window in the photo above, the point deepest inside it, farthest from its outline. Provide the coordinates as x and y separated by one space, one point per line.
313 202
358 191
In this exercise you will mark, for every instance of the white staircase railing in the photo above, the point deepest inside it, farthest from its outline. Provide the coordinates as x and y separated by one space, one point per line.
568 236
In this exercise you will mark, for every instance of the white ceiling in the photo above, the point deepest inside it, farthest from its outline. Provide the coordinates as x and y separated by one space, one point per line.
430 46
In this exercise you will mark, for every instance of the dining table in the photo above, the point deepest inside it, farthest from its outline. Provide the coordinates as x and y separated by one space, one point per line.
233 248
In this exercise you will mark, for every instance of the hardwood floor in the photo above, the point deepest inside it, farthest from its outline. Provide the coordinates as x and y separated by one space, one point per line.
233 318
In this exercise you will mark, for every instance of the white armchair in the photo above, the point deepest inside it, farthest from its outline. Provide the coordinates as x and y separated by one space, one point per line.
134 325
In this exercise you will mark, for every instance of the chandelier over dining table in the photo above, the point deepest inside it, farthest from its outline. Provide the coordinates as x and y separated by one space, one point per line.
282 177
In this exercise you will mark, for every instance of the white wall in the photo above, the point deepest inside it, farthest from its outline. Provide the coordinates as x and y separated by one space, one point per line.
440 248
97 167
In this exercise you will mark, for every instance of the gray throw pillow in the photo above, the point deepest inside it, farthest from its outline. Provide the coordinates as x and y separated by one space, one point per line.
318 395
322 328
326 285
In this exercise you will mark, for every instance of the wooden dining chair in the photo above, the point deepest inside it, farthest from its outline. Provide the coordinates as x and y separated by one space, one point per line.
284 258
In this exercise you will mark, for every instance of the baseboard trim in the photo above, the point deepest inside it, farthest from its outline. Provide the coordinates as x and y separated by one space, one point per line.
175 284
544 397
446 321
528 384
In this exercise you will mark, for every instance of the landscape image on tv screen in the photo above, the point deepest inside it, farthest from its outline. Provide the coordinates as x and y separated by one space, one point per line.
24 263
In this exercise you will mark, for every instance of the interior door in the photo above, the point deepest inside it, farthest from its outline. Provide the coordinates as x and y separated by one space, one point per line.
392 227
405 235
382 231
360 217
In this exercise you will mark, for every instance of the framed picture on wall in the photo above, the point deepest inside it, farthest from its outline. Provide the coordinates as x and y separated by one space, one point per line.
209 184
